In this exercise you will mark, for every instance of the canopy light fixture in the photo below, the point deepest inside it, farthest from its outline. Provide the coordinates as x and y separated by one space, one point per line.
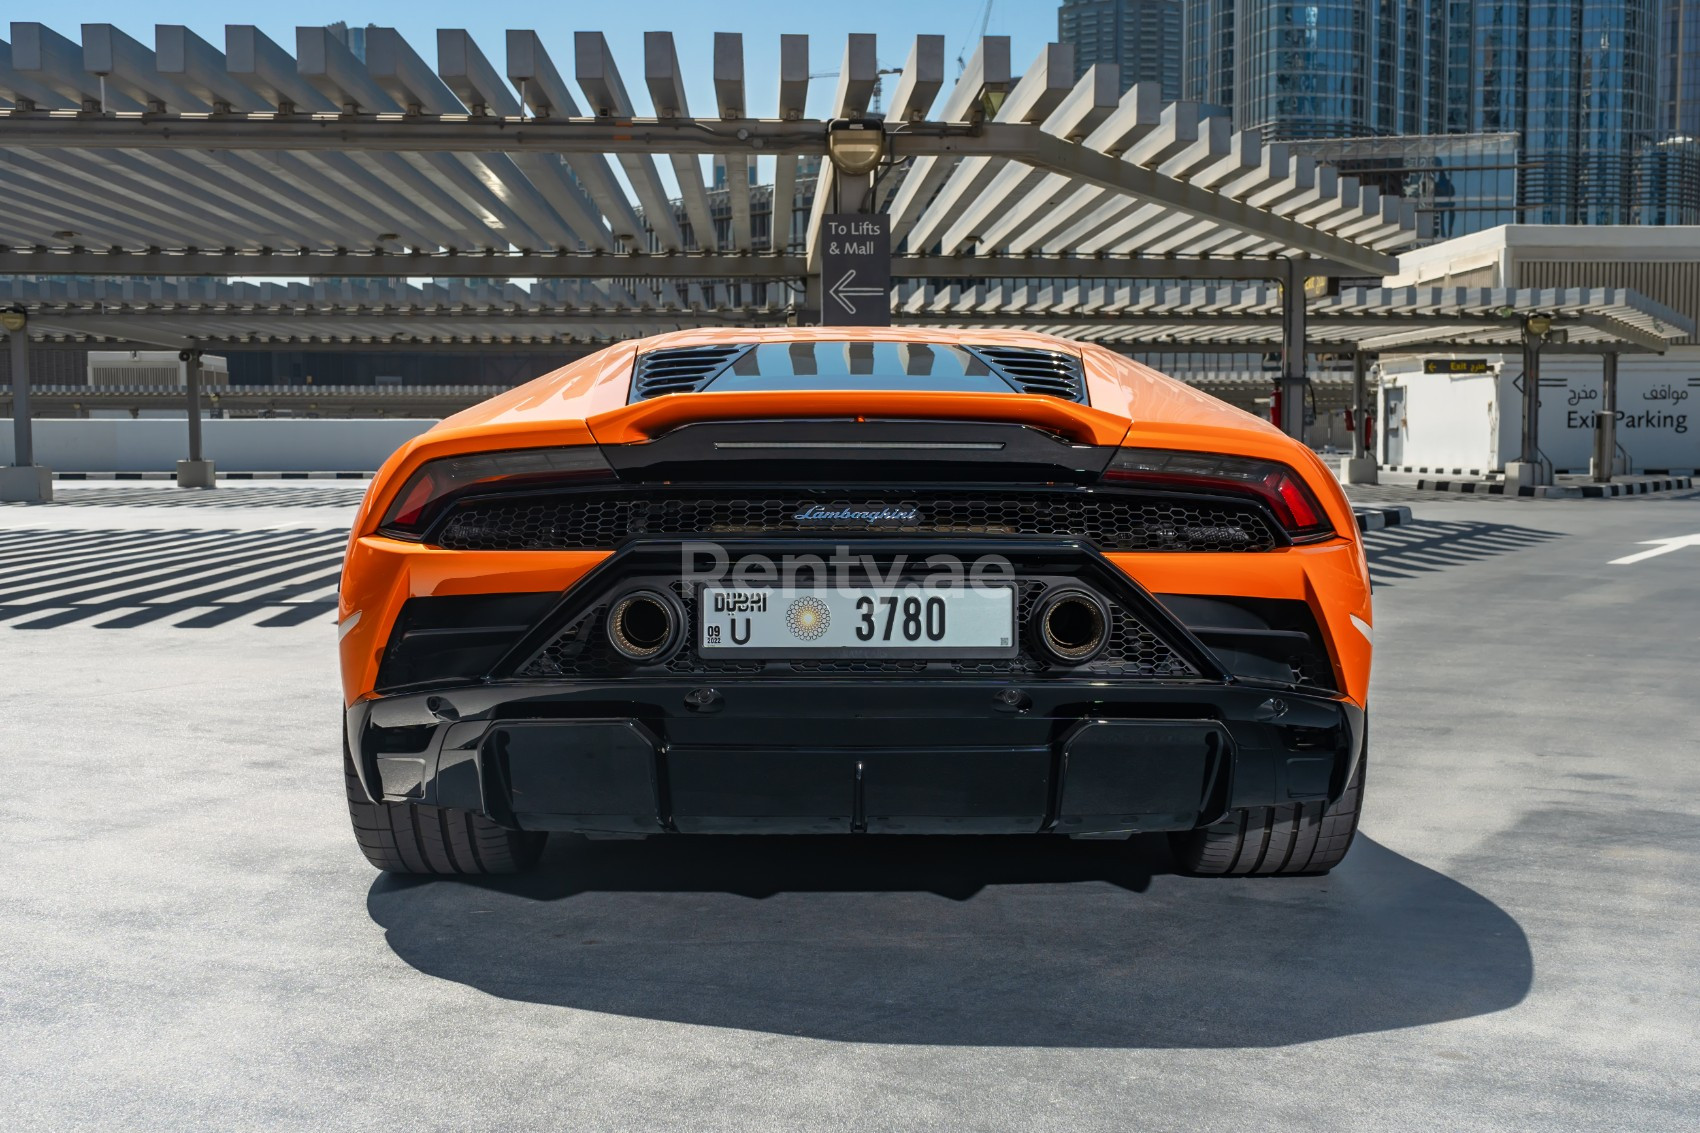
856 145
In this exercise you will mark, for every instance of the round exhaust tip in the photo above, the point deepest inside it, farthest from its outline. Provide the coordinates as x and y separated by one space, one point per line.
645 626
1073 626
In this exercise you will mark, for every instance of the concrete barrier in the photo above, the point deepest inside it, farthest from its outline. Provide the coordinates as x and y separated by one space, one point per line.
244 445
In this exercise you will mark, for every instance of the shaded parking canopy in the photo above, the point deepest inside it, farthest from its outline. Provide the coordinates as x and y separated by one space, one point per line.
1249 318
547 314
187 157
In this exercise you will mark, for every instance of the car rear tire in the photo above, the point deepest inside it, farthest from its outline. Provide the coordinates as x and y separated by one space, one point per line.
1297 840
439 840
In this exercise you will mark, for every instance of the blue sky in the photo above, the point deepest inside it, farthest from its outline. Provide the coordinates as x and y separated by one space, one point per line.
1029 23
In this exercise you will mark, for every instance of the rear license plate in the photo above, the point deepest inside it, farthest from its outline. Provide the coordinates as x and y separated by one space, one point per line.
872 621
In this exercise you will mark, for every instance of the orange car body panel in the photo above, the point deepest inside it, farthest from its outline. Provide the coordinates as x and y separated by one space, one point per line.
585 402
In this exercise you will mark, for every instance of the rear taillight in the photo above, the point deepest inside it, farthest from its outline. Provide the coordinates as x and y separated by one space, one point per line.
1272 484
438 483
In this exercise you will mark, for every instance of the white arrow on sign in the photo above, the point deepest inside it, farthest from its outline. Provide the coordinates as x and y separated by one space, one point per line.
842 288
1660 547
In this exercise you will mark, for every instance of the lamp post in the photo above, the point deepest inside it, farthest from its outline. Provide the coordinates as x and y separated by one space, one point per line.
23 481
194 472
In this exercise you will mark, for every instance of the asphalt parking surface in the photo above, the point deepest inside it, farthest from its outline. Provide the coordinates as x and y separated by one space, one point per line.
189 938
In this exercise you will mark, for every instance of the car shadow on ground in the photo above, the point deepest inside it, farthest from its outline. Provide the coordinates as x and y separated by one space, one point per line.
1409 550
967 941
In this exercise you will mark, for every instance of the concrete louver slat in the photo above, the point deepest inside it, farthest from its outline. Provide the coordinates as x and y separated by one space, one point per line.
174 182
493 179
273 187
793 76
464 228
667 93
1368 215
30 221
919 83
254 59
337 178
729 97
1244 155
97 211
1299 182
599 79
793 93
1323 192
132 68
203 70
1140 225
23 90
1273 168
1212 143
988 70
1137 114
50 59
541 87
475 83
1342 202
327 64
729 102
458 180
1092 101
1091 208
1033 98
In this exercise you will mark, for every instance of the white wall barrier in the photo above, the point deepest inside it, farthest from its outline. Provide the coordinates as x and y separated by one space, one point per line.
241 445
1475 421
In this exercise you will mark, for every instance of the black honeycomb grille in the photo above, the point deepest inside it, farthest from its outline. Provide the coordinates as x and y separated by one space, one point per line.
601 520
581 650
1038 371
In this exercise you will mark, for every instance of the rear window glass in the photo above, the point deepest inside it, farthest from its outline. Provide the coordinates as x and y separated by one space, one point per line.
859 366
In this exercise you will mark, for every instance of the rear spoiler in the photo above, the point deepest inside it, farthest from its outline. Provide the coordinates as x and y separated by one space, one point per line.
647 420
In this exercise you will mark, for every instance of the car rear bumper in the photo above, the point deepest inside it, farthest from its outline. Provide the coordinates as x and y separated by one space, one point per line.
841 756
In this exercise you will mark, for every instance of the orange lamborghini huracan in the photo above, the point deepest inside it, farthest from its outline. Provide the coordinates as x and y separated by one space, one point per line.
855 581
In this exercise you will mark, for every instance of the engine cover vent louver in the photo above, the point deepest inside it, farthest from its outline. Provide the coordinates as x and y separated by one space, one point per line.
685 370
1047 372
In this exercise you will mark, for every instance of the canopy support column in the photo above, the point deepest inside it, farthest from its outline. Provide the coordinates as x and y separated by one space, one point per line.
194 472
1527 471
1360 467
1291 395
24 481
1605 422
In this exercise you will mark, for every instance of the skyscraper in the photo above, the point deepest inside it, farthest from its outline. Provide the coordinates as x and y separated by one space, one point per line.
1143 37
1678 89
1581 84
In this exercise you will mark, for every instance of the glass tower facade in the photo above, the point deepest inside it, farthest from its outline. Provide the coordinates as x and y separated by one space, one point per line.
1142 37
1589 89
1678 90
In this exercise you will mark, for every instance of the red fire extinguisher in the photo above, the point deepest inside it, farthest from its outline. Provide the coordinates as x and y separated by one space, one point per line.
1275 407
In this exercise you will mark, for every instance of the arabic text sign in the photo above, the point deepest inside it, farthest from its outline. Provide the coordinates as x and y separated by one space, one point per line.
1658 406
1455 365
855 259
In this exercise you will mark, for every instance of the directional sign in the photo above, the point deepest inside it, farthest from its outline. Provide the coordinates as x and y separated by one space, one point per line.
855 270
1660 547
